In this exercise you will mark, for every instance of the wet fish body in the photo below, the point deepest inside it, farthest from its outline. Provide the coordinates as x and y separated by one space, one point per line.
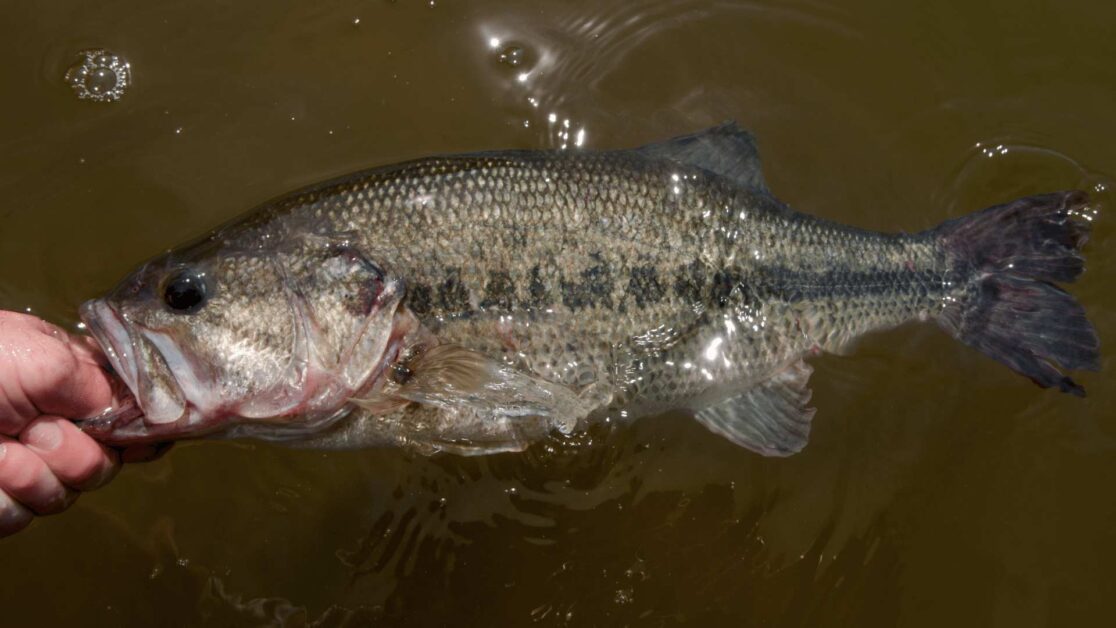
474 303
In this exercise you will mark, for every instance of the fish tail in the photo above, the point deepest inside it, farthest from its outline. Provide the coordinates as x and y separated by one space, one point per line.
1005 260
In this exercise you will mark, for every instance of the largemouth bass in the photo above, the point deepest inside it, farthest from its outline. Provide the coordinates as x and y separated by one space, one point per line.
475 303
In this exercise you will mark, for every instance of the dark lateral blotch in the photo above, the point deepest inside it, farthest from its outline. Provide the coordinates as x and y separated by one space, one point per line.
644 286
499 291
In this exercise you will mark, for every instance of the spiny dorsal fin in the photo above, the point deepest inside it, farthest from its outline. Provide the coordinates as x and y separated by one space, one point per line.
771 419
725 149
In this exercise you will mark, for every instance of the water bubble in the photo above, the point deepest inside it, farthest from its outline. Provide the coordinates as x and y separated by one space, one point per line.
100 76
525 66
512 55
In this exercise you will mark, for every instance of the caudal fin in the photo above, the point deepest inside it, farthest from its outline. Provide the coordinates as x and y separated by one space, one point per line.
1006 258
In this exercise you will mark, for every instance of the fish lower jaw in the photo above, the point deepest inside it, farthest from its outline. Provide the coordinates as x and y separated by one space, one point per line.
279 415
126 425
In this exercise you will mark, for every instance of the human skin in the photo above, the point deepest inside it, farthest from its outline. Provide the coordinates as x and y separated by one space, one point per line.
48 377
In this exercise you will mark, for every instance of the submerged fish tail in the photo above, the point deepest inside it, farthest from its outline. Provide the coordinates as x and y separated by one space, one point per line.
1005 260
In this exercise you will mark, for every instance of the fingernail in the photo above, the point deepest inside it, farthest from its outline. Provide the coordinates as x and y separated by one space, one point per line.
107 473
44 436
13 516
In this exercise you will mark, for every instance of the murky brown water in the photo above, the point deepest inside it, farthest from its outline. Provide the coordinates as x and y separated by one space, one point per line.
939 488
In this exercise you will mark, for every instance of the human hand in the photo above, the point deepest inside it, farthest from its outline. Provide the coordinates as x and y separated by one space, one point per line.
48 377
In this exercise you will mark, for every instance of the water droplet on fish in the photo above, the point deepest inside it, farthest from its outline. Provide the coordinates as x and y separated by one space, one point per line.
99 76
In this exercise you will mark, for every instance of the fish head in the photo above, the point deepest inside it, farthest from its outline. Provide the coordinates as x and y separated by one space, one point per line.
269 340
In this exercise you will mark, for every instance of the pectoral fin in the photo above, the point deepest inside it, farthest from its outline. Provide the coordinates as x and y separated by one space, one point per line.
771 419
455 378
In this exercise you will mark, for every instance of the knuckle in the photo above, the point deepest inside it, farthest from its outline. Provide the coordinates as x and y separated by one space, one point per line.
20 470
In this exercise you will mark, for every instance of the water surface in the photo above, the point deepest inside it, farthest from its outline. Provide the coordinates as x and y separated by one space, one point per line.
939 488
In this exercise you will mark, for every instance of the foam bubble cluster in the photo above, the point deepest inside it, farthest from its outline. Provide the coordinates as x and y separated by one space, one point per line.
100 76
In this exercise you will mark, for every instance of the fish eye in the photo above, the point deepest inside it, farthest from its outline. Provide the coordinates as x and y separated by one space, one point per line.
184 292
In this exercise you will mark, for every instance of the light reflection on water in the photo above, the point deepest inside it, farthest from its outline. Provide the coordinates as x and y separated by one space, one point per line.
543 57
938 487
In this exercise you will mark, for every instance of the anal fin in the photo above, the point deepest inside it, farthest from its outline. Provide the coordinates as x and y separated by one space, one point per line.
771 419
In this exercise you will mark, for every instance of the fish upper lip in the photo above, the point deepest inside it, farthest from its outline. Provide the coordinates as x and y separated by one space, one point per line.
109 330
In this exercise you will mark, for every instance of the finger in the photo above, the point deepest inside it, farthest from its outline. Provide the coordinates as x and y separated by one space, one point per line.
44 370
13 515
27 479
76 459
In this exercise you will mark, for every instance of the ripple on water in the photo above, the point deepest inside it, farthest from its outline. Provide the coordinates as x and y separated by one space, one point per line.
997 170
554 74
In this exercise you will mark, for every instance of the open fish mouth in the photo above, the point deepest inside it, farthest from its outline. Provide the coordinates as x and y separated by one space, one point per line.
131 420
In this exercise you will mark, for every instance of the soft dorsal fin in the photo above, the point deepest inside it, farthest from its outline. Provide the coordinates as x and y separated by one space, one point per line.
725 149
771 419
